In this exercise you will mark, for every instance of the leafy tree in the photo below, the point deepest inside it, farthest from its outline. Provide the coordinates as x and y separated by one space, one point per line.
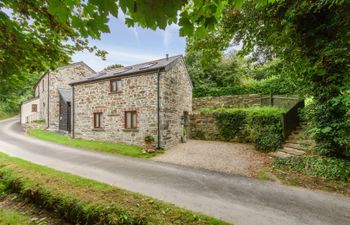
37 34
310 37
114 66
227 71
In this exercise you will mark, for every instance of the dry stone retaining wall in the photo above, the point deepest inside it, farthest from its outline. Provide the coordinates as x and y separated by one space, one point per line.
203 127
227 101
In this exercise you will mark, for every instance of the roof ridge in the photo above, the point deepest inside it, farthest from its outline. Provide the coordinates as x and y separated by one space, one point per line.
142 63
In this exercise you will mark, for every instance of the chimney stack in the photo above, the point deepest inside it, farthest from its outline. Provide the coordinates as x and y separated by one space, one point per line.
167 56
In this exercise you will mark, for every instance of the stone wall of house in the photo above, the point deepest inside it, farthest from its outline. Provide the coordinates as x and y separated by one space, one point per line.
61 78
176 98
41 91
227 101
139 93
27 114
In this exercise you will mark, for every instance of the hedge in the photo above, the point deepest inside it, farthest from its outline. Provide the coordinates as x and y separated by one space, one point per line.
260 125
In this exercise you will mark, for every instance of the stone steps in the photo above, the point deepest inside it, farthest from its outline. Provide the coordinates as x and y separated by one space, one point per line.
279 154
296 144
292 151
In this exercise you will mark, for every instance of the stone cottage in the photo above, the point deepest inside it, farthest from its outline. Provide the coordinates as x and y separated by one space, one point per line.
127 104
52 99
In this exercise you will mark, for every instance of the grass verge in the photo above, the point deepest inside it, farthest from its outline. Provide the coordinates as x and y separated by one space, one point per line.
5 115
312 172
83 201
312 182
11 217
100 146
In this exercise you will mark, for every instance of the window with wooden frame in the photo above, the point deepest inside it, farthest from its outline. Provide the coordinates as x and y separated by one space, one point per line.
130 120
98 120
116 85
34 108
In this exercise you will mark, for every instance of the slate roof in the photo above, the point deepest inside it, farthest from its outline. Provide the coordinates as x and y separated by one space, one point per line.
29 100
164 63
60 67
66 94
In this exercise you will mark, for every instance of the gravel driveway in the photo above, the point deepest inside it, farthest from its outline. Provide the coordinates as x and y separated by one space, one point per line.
234 158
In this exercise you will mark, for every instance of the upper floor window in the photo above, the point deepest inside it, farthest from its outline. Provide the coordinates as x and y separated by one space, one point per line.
130 120
43 87
116 85
98 120
34 108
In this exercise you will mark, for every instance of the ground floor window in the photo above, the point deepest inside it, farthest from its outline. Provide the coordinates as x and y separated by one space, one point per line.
130 119
97 120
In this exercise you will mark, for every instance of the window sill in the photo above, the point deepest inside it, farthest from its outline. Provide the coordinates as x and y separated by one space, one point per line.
131 130
98 129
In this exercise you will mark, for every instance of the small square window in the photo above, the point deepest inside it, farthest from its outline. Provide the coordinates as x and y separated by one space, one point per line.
34 108
97 120
116 85
130 120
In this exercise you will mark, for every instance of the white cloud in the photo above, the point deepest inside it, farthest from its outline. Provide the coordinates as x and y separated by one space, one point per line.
136 33
168 33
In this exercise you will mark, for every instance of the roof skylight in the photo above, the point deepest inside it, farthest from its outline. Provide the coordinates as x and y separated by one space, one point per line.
121 70
147 65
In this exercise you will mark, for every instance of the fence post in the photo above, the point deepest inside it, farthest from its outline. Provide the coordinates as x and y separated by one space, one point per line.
271 100
283 125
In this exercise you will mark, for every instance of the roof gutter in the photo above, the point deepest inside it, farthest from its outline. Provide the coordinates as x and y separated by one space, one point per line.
158 109
48 99
114 76
73 114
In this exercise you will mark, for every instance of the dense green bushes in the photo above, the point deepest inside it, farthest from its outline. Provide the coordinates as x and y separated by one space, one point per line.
260 125
328 168
272 85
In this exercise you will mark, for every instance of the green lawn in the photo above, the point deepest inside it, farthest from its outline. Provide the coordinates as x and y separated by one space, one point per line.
82 201
101 146
10 217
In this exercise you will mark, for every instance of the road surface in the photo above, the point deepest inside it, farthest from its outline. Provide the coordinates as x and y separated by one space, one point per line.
233 198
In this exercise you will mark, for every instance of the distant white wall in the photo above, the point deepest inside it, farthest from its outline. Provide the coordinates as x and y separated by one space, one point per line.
27 114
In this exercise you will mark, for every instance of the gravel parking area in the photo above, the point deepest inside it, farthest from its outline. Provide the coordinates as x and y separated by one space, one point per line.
234 158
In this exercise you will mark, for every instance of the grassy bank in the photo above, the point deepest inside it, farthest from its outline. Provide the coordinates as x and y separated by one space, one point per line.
312 172
101 146
11 217
83 201
5 115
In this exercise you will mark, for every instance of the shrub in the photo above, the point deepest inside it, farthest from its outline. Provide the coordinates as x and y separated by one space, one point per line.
149 139
266 128
260 125
326 167
199 134
232 124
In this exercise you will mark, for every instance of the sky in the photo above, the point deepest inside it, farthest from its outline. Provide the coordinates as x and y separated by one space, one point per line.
129 46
